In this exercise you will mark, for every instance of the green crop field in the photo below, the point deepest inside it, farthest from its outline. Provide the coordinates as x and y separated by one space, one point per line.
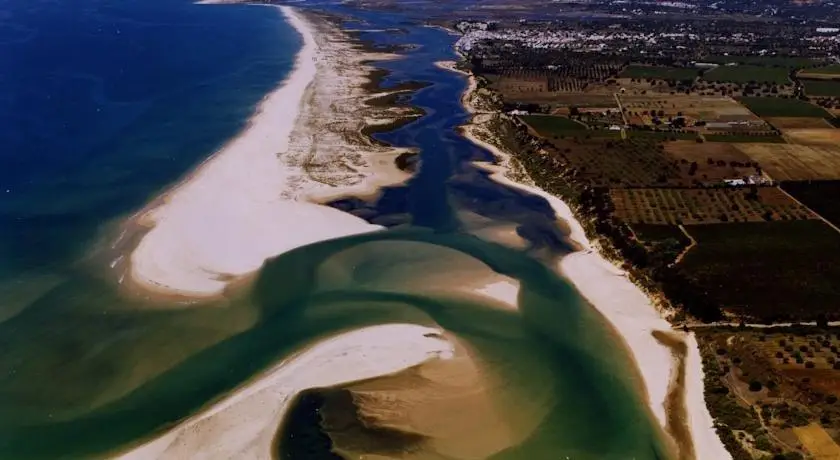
662 73
747 267
833 69
781 107
767 61
549 125
822 87
747 74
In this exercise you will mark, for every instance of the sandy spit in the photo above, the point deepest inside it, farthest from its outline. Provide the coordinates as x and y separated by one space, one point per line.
243 424
611 292
259 195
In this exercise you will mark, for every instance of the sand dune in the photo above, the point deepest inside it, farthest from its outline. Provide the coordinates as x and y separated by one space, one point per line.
243 425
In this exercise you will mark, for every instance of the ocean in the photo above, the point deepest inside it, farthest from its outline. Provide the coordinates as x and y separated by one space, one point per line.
109 104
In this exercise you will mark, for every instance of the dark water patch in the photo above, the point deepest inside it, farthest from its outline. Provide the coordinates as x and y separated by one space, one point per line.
301 436
408 161
349 431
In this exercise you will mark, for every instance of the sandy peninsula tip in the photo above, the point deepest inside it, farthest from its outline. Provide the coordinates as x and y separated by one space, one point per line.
260 195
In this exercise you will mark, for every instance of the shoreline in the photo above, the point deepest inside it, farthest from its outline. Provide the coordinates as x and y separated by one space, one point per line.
260 194
610 291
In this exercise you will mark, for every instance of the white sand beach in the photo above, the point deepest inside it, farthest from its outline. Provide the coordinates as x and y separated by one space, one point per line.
259 195
614 295
243 424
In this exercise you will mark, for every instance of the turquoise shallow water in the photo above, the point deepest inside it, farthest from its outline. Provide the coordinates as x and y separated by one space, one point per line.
87 370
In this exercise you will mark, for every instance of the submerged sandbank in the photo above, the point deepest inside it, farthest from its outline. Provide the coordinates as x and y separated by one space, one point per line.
258 196
615 296
244 424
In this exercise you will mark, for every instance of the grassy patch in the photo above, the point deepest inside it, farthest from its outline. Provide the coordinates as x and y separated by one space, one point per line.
659 72
822 87
781 107
747 74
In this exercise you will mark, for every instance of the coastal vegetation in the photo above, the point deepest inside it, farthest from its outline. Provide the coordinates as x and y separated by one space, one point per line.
774 391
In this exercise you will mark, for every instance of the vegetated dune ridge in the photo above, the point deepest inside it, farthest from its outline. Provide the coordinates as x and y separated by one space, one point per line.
257 196
611 292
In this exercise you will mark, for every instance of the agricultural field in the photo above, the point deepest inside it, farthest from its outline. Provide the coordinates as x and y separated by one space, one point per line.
614 162
817 441
582 100
747 74
549 126
661 135
715 161
747 268
822 87
676 206
820 196
659 72
765 137
765 61
774 390
815 137
782 107
559 103
829 72
787 162
785 123
707 108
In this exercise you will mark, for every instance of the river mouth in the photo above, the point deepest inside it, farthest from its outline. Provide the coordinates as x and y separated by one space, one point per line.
462 262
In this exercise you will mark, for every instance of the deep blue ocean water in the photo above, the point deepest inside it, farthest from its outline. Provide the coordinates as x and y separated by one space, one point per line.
105 103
